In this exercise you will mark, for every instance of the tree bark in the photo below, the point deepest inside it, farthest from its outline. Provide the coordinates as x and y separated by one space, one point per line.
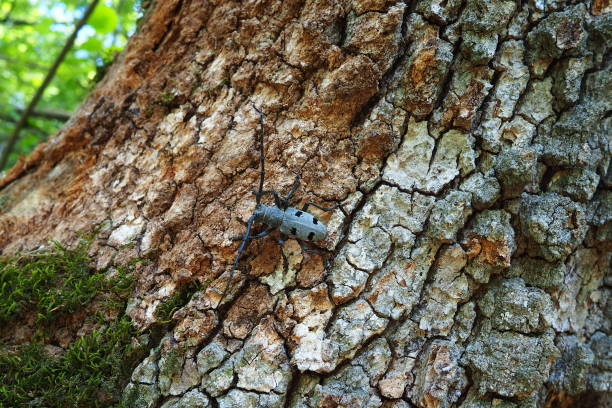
469 142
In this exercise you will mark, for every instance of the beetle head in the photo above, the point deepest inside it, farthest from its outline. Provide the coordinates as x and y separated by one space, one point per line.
260 212
271 216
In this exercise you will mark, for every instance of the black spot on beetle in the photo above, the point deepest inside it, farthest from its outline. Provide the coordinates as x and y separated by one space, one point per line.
293 231
311 236
297 214
315 221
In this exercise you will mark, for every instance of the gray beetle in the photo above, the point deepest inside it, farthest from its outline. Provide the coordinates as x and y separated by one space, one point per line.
290 222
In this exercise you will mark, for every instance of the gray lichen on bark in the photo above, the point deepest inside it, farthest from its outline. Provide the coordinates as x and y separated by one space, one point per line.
470 142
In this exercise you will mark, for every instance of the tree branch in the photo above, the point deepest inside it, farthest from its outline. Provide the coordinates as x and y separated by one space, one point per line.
11 22
56 114
8 118
10 143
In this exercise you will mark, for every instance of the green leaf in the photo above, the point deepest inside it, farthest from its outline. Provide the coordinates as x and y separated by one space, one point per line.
29 50
104 19
92 44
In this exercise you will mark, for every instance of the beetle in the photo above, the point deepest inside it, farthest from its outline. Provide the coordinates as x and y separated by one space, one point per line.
290 221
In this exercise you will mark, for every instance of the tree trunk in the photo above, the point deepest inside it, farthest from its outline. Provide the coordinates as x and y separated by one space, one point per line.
469 142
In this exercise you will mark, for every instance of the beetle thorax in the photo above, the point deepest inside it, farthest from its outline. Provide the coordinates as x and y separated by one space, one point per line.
271 216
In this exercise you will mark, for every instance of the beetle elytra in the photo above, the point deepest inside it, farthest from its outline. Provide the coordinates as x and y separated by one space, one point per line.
290 221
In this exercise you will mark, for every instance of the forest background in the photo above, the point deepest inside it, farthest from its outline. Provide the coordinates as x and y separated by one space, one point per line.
32 34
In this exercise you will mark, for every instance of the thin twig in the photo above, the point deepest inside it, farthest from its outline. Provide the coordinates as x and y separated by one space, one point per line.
56 114
34 129
10 143
11 22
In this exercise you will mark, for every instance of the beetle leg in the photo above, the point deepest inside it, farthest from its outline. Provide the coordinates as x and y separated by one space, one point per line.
320 207
277 200
245 240
281 240
243 245
296 185
260 235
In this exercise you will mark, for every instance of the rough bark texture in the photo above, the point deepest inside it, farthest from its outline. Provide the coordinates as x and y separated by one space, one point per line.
470 141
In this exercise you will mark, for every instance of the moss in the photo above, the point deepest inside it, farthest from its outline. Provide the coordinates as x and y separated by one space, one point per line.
130 396
148 111
178 299
52 281
90 373
140 395
173 361
93 370
3 203
165 99
49 281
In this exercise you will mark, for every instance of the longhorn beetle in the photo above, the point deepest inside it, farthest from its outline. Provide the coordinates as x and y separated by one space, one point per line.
290 221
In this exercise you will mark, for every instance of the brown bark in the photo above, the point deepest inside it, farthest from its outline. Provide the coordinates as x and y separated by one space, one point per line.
467 140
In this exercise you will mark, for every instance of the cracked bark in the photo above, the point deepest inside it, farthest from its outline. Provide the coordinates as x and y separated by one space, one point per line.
469 142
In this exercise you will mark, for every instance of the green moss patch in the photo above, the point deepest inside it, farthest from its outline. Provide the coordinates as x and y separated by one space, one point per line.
90 373
93 370
164 312
51 281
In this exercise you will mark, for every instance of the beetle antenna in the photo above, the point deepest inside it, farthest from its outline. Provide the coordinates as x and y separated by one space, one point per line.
261 155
